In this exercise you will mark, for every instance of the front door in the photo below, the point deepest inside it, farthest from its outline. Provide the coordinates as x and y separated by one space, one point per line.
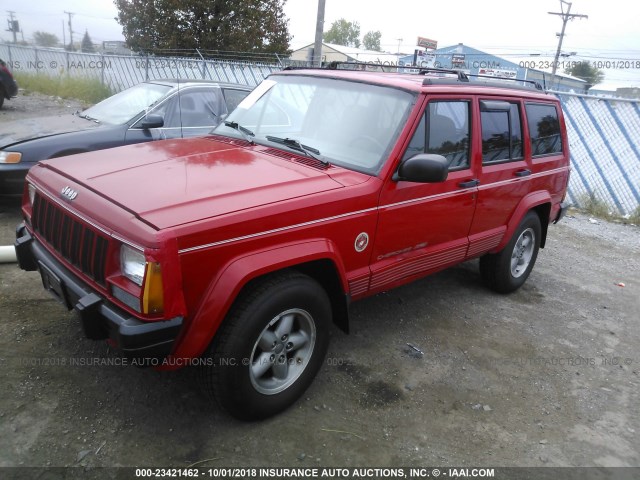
424 227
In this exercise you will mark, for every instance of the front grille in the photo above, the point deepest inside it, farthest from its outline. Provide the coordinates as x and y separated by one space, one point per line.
79 244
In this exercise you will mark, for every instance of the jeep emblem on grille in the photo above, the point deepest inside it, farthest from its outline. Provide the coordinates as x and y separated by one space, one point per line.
69 193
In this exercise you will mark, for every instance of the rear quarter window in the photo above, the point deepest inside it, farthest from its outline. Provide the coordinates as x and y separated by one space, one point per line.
544 129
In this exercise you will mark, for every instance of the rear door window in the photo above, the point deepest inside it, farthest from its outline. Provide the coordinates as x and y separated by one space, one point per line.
501 131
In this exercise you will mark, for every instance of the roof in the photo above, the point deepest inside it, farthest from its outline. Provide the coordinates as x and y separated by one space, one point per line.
417 83
173 82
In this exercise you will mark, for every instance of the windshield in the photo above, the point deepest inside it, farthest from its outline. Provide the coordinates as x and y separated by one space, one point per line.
124 106
350 124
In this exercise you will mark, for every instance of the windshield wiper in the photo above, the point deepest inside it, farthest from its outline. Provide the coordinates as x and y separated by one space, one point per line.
246 133
296 145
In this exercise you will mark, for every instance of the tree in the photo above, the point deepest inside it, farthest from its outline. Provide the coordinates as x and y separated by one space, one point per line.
371 40
87 44
343 33
45 39
587 72
238 25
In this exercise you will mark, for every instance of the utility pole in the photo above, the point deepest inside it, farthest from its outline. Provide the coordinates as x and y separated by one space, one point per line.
566 16
317 47
13 26
70 30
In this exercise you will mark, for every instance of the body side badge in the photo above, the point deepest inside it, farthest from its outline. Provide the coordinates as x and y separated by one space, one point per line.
362 240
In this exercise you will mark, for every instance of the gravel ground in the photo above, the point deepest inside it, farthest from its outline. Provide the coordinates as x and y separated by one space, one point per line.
33 104
547 376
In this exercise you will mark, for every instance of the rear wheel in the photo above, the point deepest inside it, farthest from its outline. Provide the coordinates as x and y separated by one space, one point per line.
270 347
507 270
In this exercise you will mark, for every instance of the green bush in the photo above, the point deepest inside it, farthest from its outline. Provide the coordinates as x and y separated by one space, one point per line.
87 90
595 207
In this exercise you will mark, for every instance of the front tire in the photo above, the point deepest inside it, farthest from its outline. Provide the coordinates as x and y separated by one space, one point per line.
270 347
507 270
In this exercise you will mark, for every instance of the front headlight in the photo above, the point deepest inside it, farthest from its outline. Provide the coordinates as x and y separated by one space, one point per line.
132 264
10 157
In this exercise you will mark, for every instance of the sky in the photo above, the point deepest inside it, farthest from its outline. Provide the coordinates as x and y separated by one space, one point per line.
513 29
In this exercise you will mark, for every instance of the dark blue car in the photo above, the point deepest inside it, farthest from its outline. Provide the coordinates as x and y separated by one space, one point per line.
149 111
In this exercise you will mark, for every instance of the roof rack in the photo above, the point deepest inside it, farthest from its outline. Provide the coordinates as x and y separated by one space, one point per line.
532 83
462 77
335 65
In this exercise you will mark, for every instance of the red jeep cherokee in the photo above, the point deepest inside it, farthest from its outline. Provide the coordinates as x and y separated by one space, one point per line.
237 250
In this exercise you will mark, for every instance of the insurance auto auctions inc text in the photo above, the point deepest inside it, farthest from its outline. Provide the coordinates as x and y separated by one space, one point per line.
375 473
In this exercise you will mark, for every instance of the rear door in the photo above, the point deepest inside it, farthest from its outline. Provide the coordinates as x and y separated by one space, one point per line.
423 227
505 176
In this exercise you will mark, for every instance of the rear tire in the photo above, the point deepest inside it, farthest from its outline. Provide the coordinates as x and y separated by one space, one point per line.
507 270
270 347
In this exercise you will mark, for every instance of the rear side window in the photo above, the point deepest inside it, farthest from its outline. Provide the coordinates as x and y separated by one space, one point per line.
234 97
544 129
444 130
501 131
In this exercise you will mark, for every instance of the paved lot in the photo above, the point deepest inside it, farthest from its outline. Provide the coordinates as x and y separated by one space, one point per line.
547 376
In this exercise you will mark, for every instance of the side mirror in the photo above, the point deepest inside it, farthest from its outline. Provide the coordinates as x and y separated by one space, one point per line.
423 168
153 120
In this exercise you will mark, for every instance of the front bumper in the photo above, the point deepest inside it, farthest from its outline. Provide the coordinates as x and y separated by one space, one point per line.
146 342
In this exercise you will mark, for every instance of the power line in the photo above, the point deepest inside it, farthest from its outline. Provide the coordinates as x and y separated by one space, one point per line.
70 30
565 18
13 25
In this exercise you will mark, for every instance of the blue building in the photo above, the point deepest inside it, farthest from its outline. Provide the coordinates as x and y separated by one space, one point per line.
477 62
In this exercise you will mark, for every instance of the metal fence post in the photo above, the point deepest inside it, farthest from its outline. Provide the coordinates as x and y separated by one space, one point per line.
102 69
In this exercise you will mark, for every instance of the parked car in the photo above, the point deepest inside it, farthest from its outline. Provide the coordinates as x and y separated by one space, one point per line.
8 85
148 111
235 252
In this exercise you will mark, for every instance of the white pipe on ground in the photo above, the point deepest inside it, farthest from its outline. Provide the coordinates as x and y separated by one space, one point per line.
8 254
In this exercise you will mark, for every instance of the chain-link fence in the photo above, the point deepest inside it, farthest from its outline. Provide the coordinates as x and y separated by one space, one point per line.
604 139
122 71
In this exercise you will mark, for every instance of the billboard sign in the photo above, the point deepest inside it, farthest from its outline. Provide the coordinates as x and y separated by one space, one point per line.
427 43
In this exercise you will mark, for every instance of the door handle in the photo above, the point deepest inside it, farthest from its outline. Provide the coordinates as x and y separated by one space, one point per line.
523 173
469 183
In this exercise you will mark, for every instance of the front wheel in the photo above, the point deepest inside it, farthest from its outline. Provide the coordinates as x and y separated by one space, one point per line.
270 347
507 270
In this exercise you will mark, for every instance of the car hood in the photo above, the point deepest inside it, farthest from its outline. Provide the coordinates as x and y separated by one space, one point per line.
173 182
19 131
